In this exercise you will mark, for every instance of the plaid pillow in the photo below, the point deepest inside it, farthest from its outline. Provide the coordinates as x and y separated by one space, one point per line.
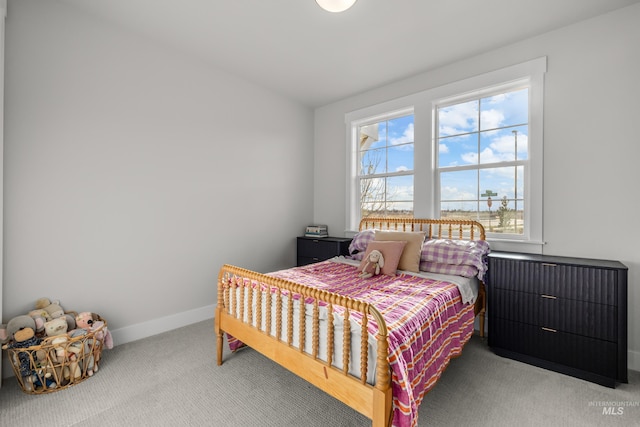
455 252
456 270
361 241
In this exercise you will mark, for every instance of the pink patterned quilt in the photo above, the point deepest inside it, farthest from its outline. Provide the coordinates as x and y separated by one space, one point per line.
426 320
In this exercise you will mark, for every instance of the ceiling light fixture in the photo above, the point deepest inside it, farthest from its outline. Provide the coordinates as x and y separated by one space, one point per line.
335 5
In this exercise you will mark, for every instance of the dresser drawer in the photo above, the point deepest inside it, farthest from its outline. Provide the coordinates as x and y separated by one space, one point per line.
560 314
580 283
582 353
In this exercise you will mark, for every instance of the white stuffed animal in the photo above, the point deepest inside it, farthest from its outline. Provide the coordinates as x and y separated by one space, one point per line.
375 261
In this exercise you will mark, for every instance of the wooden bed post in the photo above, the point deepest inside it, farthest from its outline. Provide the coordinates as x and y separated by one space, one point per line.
217 316
382 396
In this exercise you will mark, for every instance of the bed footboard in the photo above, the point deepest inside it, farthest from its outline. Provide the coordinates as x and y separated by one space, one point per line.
243 293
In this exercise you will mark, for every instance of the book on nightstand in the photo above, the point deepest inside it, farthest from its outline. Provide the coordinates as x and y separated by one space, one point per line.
316 231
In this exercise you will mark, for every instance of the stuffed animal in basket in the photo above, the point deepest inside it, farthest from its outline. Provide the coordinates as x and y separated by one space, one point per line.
375 261
19 322
24 338
55 327
56 330
81 347
53 310
40 317
92 323
43 375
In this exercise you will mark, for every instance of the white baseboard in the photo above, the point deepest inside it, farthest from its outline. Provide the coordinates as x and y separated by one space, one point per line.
162 324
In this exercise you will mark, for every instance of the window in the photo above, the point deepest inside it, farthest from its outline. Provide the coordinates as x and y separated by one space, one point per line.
469 149
482 159
385 167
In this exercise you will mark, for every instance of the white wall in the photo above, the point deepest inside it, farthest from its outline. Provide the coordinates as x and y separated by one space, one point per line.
133 172
591 146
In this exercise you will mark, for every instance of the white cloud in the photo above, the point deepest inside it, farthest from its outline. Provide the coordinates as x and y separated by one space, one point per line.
505 144
459 118
491 119
407 136
499 150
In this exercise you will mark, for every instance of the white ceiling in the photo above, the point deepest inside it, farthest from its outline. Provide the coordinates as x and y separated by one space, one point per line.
317 57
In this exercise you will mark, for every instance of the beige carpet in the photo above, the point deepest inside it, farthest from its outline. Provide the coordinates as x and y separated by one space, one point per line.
172 380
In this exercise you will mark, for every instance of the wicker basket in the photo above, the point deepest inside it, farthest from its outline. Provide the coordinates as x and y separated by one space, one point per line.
55 365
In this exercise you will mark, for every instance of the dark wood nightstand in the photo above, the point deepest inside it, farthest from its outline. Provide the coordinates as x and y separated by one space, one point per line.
564 314
315 249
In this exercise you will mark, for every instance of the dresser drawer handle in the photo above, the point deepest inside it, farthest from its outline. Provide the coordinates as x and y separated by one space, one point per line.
548 296
547 264
548 329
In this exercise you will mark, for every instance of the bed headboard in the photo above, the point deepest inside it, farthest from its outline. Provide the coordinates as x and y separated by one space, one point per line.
454 229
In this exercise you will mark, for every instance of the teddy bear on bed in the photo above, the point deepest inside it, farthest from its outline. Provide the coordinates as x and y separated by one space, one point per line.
375 261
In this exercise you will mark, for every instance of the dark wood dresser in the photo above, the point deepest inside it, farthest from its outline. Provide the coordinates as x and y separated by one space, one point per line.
315 249
564 314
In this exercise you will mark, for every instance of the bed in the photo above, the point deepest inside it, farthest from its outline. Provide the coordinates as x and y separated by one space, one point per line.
376 344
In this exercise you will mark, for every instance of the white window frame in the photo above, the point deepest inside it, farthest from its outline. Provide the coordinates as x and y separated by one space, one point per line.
426 189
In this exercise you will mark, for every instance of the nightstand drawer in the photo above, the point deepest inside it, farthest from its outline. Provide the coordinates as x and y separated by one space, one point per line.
312 250
561 314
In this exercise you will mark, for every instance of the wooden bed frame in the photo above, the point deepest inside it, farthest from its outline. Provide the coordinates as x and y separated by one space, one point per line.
234 315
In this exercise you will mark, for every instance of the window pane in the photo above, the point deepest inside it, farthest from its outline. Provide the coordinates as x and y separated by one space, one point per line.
501 145
372 209
459 186
372 190
457 119
400 188
458 150
506 109
400 158
389 196
373 162
504 211
400 130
